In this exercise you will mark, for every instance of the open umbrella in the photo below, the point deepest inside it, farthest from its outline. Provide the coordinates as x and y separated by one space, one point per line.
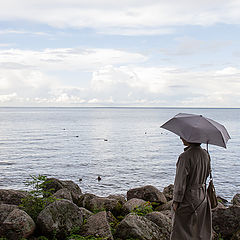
198 129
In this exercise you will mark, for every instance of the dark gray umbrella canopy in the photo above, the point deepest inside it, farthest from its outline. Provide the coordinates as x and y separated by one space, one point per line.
198 129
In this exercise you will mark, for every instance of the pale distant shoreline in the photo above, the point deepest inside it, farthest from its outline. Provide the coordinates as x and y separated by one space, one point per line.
119 107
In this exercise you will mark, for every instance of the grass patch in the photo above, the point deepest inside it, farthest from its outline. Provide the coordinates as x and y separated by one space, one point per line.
143 210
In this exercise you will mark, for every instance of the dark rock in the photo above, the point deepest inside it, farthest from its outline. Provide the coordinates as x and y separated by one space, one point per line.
214 235
5 210
147 193
222 201
86 214
168 213
63 193
111 219
220 205
10 196
226 221
53 185
84 200
59 218
236 199
165 206
236 236
131 204
73 188
17 225
118 197
138 227
98 226
168 192
105 204
163 222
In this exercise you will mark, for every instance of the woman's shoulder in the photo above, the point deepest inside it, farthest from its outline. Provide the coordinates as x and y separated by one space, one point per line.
193 150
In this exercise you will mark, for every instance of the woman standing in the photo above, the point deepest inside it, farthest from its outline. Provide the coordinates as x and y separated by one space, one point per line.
192 218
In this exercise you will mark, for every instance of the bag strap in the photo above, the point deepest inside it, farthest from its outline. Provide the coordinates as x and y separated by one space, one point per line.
210 168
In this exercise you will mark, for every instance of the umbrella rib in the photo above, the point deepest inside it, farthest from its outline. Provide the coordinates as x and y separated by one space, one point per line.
220 132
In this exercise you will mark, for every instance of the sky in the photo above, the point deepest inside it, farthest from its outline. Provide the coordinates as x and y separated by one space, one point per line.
140 53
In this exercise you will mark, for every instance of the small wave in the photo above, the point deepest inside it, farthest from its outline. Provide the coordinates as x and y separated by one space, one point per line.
6 163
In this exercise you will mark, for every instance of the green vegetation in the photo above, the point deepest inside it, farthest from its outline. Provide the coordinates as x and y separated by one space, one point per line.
129 239
75 231
42 238
143 210
97 210
36 200
220 237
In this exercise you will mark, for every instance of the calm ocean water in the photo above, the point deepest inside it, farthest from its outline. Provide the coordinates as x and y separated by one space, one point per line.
125 146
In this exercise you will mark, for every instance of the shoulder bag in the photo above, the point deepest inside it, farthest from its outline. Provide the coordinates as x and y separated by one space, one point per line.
211 190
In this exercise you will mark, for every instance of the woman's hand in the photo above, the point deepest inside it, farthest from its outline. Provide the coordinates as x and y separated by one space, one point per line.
175 206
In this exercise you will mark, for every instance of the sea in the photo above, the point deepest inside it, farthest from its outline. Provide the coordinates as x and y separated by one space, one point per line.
124 146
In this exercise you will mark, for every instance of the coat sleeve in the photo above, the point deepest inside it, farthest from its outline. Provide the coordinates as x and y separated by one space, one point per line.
180 179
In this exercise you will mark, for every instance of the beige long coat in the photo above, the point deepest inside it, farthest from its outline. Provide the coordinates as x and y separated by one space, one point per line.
192 219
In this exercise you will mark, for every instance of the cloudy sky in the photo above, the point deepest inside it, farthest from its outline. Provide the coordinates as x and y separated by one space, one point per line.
120 53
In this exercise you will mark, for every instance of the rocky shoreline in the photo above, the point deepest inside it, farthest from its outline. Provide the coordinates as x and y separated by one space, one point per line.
144 214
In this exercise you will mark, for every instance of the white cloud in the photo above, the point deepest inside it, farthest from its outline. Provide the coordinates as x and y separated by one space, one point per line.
228 71
5 98
190 46
118 78
12 31
168 86
66 58
136 31
135 15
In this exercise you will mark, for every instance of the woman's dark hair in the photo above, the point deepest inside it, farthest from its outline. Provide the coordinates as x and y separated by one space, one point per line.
195 144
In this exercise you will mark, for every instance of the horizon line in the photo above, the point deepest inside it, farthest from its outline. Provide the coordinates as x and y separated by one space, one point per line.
150 107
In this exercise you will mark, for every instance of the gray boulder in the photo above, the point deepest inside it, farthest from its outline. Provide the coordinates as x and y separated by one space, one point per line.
220 205
236 199
58 218
111 219
147 193
214 235
17 225
73 188
84 200
138 227
53 185
165 206
121 198
163 222
168 213
132 204
223 201
236 236
63 193
86 214
168 192
105 204
11 196
5 209
98 226
226 221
